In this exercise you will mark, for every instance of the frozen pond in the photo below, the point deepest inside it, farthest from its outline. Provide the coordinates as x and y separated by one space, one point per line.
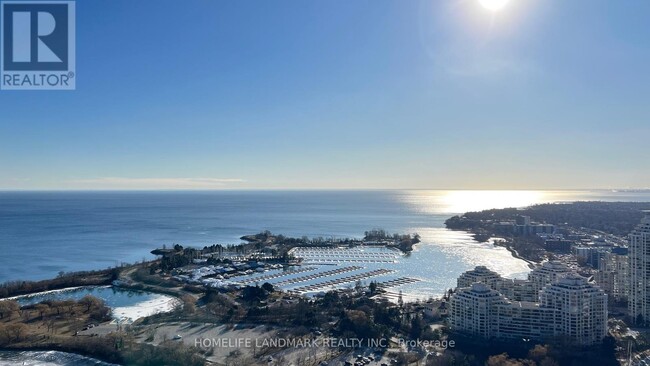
127 305
47 358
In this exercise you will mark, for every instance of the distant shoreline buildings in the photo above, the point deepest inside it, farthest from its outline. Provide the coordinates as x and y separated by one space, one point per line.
523 226
555 302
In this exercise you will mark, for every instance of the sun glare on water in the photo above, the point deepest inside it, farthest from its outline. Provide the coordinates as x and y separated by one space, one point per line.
461 201
464 201
493 5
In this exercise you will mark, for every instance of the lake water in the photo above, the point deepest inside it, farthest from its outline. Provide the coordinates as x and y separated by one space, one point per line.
430 268
43 233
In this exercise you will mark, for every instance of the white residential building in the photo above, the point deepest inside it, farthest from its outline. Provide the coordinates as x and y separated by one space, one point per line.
515 289
480 274
473 310
569 307
548 272
581 309
522 320
639 272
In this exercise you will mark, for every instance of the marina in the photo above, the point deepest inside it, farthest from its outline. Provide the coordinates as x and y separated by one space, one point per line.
327 268
341 281
318 275
274 276
397 282
373 254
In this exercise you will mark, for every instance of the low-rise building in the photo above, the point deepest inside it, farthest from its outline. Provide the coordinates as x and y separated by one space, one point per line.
522 320
523 226
591 254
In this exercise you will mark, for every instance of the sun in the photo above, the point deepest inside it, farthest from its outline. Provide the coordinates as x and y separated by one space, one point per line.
493 5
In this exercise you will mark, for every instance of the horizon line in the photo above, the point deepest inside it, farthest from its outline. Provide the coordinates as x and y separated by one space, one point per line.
10 190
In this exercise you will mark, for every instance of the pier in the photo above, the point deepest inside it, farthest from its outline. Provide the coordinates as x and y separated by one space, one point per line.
340 281
397 282
358 255
276 275
318 275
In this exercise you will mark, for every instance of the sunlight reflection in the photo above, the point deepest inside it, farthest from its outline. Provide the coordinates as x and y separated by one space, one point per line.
436 202
464 201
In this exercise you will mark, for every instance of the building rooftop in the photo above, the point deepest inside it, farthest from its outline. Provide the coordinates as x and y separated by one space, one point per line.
553 266
480 287
525 304
573 278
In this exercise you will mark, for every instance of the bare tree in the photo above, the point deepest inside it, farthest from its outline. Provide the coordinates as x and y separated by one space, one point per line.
8 307
16 331
42 309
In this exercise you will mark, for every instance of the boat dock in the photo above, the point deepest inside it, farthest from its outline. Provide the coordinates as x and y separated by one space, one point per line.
343 280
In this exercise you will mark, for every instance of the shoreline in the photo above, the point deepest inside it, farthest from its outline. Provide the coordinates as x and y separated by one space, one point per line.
41 293
515 254
54 348
101 277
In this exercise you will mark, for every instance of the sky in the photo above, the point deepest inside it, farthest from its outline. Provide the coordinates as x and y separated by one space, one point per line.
341 94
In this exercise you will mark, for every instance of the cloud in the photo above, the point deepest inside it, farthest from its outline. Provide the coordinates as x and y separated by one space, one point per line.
154 183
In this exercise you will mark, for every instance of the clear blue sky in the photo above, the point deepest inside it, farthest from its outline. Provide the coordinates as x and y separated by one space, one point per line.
341 94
